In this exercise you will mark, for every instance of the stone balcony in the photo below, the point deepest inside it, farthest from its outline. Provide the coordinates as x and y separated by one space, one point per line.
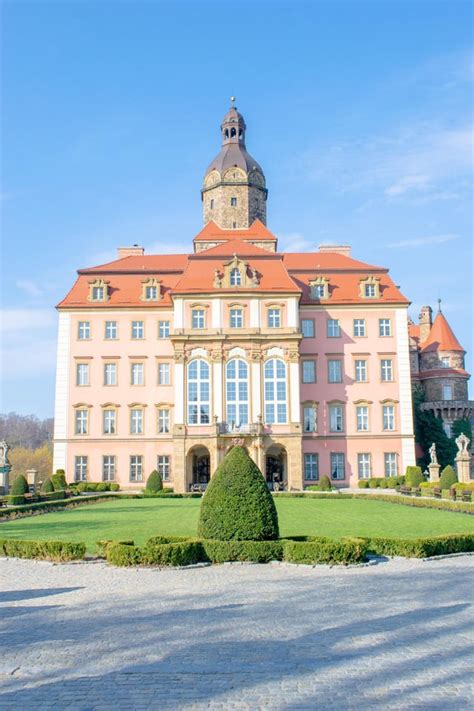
233 430
450 409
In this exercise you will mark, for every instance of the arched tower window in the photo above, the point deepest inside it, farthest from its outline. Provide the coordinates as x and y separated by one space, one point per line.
237 392
198 393
275 391
235 277
233 132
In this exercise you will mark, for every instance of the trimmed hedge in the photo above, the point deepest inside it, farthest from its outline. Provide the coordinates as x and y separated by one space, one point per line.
413 476
154 482
325 550
325 483
422 547
251 551
34 508
58 480
59 551
47 486
448 477
174 554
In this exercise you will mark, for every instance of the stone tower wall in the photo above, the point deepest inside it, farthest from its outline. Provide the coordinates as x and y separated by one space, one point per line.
433 388
251 204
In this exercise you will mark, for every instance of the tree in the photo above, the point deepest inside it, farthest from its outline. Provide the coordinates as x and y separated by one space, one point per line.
40 459
26 431
237 504
429 429
154 482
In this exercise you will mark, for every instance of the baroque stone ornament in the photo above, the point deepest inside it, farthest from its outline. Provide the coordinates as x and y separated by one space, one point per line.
4 449
462 442
238 441
432 451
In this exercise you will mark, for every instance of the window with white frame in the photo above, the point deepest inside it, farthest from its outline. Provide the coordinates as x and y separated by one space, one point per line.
98 293
334 371
82 374
108 467
364 465
151 293
445 361
80 468
336 419
388 416
137 374
136 420
163 466
333 328
360 371
359 327
237 392
362 418
385 327
164 374
110 374
235 277
309 371
337 465
318 291
163 420
138 330
307 327
390 464
198 319
84 330
447 392
274 318
111 331
82 422
370 291
163 329
386 370
275 391
109 421
236 318
309 418
136 467
311 467
199 393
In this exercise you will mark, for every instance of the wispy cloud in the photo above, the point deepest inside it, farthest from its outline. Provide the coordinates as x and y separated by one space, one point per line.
295 242
29 287
424 241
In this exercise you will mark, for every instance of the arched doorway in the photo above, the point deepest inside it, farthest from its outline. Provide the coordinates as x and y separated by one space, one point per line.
198 467
276 467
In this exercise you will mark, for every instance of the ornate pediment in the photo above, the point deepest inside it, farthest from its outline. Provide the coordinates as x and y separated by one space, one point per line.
319 287
236 275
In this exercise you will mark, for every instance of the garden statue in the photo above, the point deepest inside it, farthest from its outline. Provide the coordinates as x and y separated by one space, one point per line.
5 467
433 466
463 459
462 442
432 451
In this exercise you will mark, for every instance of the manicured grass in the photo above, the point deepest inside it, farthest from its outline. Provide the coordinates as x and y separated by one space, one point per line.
138 519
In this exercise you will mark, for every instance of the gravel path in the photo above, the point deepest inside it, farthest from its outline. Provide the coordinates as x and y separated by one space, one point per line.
396 635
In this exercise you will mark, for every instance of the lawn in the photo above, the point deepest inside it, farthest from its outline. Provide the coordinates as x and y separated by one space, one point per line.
138 519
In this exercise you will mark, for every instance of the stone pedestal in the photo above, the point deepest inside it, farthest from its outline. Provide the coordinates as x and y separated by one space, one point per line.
32 477
434 472
463 467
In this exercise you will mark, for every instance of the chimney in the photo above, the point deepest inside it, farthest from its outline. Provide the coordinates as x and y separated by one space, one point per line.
426 321
133 251
344 249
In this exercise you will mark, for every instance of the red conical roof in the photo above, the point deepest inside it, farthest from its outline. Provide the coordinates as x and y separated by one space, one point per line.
441 337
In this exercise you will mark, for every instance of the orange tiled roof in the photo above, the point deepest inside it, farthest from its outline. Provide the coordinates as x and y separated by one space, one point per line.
441 337
256 231
143 263
442 372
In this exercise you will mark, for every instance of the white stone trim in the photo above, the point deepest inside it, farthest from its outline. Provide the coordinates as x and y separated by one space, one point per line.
236 352
199 353
216 319
61 403
295 401
179 393
293 316
256 386
405 393
408 454
178 313
255 313
217 388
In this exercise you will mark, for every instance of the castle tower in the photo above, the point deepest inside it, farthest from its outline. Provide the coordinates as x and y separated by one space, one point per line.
234 193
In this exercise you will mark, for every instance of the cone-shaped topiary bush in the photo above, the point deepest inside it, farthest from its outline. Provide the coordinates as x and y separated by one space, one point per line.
19 486
413 476
47 486
448 477
154 482
325 483
59 480
237 504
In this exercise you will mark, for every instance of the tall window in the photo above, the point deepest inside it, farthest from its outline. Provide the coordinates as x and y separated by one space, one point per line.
82 374
163 466
311 467
82 422
109 422
110 374
275 391
199 396
80 468
337 465
197 318
111 330
136 421
390 463
361 371
334 371
309 371
386 370
164 374
359 327
163 329
274 318
307 327
235 277
163 420
362 418
309 418
388 412
447 392
336 420
83 330
136 467
138 330
137 374
363 465
333 328
237 392
108 467
385 327
236 318
151 293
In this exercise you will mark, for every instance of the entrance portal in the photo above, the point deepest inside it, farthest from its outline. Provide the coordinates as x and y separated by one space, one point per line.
201 466
275 468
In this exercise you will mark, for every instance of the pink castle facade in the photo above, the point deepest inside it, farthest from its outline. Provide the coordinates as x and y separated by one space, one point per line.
167 361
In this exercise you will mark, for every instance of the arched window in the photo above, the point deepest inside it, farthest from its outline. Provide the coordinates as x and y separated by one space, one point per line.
198 393
235 277
275 391
233 132
237 392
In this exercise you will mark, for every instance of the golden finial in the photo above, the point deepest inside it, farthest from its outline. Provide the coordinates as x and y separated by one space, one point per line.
232 98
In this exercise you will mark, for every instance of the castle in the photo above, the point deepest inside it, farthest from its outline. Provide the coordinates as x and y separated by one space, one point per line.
167 361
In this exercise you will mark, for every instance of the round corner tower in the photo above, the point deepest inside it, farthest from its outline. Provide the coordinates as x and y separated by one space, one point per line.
234 193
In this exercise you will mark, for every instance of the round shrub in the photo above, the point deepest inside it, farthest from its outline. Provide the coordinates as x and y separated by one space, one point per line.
47 486
114 486
363 484
101 486
374 483
82 486
392 482
19 486
383 483
237 504
413 476
448 477
154 482
59 480
325 484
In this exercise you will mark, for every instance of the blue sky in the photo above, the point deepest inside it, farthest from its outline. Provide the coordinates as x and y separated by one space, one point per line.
359 112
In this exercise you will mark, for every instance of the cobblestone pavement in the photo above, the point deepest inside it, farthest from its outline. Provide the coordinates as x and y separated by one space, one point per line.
396 635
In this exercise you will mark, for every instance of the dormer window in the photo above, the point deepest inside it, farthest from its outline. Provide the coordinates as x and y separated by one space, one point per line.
151 290
319 288
370 287
235 277
98 290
